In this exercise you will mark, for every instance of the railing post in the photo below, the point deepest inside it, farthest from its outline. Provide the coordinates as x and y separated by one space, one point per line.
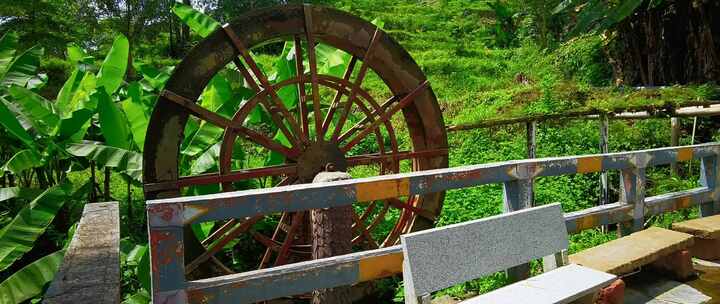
604 128
674 141
167 254
331 236
710 178
632 191
516 197
531 129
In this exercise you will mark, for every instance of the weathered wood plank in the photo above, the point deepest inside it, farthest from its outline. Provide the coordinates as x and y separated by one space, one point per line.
90 272
185 210
299 278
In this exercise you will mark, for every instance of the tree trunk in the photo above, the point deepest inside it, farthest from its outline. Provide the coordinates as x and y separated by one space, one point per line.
676 43
332 235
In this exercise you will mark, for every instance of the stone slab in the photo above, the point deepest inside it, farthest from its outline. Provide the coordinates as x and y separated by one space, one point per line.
90 272
623 255
562 285
704 227
449 255
664 292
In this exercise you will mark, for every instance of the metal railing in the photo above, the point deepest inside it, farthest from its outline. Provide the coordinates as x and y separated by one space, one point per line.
166 217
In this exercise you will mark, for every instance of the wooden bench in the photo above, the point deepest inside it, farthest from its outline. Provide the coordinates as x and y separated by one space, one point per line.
439 258
627 254
706 232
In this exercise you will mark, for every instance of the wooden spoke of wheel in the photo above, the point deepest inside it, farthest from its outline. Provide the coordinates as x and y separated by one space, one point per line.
302 102
394 234
394 202
290 170
275 236
409 98
365 234
217 246
312 61
222 122
297 221
275 105
358 84
338 95
274 245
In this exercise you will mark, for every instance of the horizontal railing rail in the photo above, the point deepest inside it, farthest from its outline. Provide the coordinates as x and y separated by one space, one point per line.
166 217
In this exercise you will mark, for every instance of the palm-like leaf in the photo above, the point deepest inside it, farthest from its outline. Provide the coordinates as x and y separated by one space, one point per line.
198 22
113 123
29 281
124 161
22 68
18 237
112 71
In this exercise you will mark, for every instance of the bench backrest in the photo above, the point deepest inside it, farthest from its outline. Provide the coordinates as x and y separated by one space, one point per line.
445 256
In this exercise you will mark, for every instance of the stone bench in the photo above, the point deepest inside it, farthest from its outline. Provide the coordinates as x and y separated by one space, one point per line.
657 247
442 257
706 232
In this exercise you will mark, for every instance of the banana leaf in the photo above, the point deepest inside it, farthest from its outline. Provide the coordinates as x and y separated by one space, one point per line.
198 22
36 109
123 161
29 281
18 237
21 161
8 46
9 121
112 71
22 68
113 123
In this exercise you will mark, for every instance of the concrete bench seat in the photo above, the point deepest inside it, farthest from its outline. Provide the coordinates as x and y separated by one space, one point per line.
446 256
625 255
562 285
706 231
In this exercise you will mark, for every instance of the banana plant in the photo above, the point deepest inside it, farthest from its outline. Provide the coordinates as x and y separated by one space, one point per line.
599 15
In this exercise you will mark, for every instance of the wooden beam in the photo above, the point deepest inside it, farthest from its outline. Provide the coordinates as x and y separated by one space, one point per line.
90 272
692 109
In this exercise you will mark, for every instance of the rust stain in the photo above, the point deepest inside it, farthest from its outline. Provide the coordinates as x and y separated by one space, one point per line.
684 154
587 222
380 267
589 164
684 202
165 212
371 191
199 296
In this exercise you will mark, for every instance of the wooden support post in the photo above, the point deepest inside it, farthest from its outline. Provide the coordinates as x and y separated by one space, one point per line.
531 128
632 192
604 148
515 197
332 235
674 140
710 178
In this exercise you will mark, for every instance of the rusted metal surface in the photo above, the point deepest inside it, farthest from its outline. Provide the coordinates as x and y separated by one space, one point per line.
368 46
346 270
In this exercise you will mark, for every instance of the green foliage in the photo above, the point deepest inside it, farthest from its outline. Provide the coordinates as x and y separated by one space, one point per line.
29 281
200 23
112 71
124 161
18 237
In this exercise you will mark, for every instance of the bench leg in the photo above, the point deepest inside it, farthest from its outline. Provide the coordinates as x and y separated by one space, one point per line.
613 294
706 249
678 264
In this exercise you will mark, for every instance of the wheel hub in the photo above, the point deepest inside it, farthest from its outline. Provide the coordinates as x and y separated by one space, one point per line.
316 157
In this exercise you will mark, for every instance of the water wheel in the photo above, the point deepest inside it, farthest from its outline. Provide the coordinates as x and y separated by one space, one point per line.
337 121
